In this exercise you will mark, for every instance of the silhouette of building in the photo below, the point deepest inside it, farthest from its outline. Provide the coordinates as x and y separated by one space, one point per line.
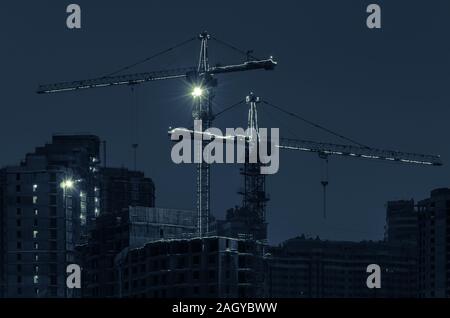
43 216
249 220
213 267
242 223
434 244
313 268
121 188
401 222
132 228
80 153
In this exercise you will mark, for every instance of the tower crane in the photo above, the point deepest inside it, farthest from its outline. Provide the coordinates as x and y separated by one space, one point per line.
203 80
254 196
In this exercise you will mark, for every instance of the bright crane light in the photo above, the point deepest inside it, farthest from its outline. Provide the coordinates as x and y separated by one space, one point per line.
197 91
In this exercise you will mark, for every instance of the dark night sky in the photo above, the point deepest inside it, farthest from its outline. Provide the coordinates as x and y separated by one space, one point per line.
388 89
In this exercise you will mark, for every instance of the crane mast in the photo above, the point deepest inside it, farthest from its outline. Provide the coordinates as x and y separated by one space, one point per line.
202 111
254 195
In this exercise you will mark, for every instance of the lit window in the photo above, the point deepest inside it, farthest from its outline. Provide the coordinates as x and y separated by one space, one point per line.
36 291
36 246
35 186
35 234
36 257
35 199
36 212
36 279
36 269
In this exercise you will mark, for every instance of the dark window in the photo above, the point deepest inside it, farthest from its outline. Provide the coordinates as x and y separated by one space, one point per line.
181 262
53 188
53 266
53 222
52 199
181 278
196 275
196 260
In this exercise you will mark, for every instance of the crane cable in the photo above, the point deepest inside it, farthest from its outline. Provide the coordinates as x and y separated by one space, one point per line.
151 57
224 110
315 124
229 108
245 53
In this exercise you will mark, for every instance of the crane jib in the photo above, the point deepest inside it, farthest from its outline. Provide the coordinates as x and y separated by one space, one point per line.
138 78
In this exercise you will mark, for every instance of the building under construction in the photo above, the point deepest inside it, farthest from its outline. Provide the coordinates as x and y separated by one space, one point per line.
212 267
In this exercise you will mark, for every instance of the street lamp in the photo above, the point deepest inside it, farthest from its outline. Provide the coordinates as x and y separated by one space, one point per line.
67 184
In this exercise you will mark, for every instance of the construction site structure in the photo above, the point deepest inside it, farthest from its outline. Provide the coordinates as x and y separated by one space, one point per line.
202 80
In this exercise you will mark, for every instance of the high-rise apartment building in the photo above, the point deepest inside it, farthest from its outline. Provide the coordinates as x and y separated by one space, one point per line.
46 205
434 244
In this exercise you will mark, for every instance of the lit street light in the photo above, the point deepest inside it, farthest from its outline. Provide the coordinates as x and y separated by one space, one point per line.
67 184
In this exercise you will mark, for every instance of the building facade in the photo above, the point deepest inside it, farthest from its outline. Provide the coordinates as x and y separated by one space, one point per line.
402 222
211 267
313 268
434 244
132 228
121 188
45 209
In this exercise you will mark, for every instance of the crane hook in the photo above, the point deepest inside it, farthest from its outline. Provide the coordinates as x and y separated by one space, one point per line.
324 182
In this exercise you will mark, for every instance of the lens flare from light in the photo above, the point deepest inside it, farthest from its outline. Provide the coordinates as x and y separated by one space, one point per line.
67 184
197 92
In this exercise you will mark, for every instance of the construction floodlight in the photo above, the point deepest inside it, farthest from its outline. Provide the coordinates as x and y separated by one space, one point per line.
197 92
